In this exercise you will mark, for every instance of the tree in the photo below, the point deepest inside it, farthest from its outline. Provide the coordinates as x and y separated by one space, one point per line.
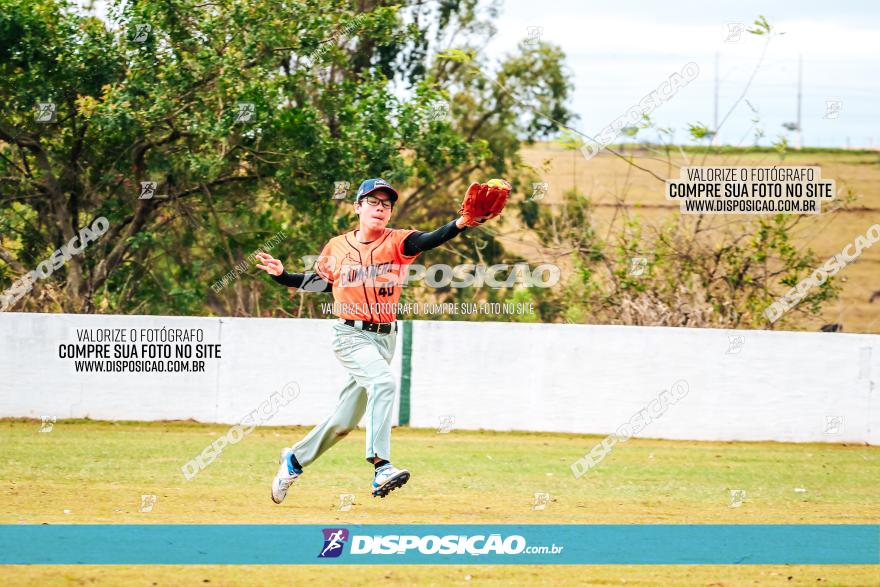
702 271
243 115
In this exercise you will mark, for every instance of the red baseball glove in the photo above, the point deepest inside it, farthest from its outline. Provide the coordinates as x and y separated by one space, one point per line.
484 201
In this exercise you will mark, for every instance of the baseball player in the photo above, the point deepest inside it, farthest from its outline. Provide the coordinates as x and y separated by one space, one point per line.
364 269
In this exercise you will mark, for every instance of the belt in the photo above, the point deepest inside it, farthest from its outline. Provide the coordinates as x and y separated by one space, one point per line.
380 327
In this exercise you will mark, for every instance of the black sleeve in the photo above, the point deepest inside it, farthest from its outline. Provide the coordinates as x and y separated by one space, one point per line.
304 281
419 241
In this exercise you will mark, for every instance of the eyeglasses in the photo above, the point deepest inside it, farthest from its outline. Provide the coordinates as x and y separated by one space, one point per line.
374 201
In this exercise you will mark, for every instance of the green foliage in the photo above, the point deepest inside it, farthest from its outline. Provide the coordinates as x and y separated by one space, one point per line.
781 146
529 211
699 131
339 93
692 271
761 26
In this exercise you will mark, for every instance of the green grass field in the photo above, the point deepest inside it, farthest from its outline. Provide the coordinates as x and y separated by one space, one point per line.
96 472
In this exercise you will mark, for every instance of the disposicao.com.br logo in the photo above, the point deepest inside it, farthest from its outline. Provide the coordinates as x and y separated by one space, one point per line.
334 541
335 538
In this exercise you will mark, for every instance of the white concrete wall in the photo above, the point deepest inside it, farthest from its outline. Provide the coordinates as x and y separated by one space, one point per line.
575 378
258 357
567 378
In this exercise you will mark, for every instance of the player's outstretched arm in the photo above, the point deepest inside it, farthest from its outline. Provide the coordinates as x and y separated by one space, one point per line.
482 202
304 281
419 241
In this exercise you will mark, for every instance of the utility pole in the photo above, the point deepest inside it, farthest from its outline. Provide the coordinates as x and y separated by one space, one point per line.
715 114
797 144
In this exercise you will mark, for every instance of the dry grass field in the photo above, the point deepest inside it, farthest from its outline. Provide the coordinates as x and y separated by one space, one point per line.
607 180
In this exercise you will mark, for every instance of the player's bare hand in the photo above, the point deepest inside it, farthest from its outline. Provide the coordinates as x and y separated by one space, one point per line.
269 264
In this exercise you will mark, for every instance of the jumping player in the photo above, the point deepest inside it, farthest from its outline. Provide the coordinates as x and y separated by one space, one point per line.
364 269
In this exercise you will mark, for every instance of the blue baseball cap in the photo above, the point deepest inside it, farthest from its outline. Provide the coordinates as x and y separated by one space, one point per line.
371 185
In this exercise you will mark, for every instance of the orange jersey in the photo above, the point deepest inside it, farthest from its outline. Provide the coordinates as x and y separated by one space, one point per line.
366 277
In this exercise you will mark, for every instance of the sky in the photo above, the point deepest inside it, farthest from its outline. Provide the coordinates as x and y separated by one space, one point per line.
617 52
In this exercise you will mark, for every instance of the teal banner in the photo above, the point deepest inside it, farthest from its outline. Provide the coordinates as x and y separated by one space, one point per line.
651 544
